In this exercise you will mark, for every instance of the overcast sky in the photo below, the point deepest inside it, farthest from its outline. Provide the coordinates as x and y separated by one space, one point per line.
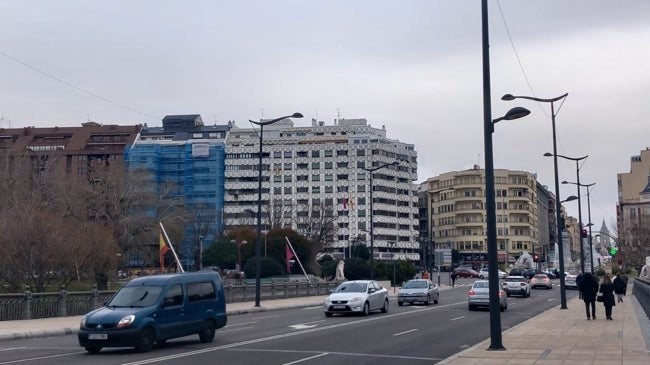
413 66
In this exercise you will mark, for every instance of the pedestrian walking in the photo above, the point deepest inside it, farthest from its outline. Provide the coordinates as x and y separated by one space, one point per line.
578 282
589 289
453 279
620 287
607 290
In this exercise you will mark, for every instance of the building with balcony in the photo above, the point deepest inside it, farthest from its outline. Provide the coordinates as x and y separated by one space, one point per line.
320 172
457 218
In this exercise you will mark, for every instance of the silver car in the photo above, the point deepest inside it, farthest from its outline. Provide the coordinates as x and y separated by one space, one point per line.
479 296
358 296
418 290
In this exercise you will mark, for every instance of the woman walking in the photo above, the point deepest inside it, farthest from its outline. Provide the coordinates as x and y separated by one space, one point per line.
589 289
607 289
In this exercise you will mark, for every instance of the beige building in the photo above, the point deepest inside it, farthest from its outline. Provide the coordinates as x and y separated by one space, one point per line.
458 218
633 212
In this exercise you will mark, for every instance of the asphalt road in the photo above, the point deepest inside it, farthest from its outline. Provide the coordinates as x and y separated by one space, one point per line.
405 335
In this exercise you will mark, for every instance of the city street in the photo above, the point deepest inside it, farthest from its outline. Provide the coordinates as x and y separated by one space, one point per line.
408 334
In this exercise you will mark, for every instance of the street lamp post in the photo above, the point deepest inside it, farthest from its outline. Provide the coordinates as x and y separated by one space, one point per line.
591 247
490 204
509 97
239 244
258 241
430 225
372 235
582 250
577 160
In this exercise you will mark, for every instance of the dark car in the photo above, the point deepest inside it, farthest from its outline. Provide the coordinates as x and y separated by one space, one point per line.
528 274
466 273
516 272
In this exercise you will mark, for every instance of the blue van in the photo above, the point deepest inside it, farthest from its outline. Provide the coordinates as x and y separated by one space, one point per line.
153 309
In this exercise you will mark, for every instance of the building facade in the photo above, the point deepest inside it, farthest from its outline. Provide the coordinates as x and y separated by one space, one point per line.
189 158
324 171
633 211
457 217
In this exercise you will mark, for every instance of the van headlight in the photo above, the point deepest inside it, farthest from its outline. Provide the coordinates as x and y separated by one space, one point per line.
126 321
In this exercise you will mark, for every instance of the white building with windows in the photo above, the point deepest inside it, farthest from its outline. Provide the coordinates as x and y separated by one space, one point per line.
321 171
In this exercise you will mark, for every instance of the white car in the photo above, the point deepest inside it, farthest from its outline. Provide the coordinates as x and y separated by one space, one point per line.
418 290
358 296
516 285
484 274
479 296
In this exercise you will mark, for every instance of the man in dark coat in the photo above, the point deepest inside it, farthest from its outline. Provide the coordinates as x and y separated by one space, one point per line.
620 287
589 289
578 282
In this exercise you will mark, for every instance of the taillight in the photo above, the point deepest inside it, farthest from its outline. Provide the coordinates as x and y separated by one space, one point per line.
500 293
471 292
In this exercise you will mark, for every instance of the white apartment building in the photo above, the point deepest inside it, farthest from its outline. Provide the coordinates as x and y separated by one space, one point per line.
322 170
457 214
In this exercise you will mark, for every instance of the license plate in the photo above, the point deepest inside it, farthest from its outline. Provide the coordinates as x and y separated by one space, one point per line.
98 336
339 307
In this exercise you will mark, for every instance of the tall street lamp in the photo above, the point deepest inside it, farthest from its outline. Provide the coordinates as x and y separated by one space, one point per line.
591 247
582 250
239 244
258 241
372 236
490 204
577 160
509 97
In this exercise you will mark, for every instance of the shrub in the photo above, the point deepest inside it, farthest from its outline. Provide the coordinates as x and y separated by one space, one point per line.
268 267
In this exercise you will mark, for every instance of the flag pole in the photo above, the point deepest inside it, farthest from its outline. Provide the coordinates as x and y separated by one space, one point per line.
296 256
178 262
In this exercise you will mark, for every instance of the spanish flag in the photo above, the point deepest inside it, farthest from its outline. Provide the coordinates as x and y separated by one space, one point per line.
163 250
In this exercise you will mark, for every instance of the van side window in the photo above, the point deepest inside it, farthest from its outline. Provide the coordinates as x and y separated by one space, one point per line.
175 293
200 291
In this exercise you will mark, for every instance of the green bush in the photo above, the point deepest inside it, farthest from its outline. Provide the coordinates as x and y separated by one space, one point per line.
600 272
268 268
328 269
356 269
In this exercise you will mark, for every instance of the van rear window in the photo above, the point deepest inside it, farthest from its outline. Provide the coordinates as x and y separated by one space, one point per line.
200 291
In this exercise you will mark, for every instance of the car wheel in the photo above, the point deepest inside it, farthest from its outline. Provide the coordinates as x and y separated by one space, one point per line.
481 276
470 307
400 303
508 295
146 340
366 308
328 314
207 333
384 309
435 301
93 349
428 300
502 308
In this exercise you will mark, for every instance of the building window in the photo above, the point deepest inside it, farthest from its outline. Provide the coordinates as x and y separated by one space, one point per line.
287 189
277 154
315 153
315 177
329 165
287 154
361 152
315 189
328 153
315 165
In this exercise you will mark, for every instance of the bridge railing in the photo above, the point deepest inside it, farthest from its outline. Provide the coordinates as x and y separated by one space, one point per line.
29 305
641 290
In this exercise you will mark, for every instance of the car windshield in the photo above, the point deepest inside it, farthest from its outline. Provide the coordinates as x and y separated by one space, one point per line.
415 284
351 288
481 285
136 296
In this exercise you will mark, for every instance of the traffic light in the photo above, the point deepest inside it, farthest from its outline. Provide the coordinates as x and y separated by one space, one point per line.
536 258
613 250
583 233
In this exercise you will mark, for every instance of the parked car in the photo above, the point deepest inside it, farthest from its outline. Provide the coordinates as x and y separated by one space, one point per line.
516 285
541 281
551 273
358 296
418 291
484 274
479 296
466 273
570 282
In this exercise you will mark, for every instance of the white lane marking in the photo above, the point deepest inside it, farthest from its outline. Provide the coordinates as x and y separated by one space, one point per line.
305 359
342 354
235 329
305 325
41 358
453 319
13 348
241 324
312 308
405 332
262 317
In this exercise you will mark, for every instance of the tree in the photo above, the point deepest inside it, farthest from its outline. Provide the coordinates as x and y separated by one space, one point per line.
319 223
356 269
268 267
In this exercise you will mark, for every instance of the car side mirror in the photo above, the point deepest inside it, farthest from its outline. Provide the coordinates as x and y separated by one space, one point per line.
371 290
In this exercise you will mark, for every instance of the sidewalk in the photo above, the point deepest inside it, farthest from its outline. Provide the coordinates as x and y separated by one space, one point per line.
565 336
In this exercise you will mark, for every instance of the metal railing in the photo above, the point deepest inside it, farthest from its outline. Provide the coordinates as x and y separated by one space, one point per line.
641 290
63 303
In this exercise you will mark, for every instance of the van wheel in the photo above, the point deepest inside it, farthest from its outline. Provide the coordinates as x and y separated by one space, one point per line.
146 340
207 334
93 349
